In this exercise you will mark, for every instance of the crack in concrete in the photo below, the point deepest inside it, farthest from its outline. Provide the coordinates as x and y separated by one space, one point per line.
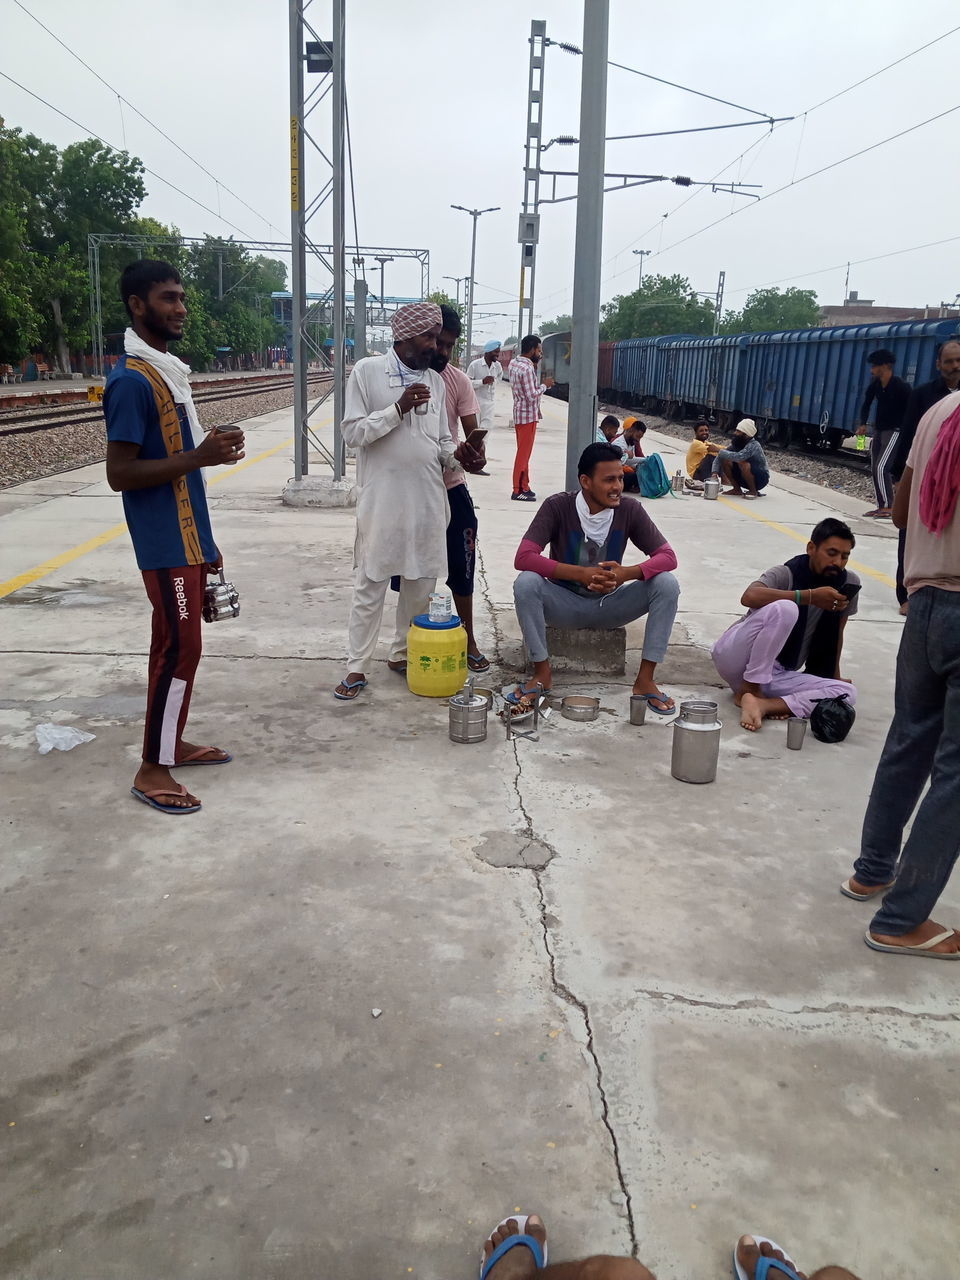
560 989
563 992
728 1006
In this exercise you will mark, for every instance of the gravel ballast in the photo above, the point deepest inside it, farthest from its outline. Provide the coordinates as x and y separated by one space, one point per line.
43 453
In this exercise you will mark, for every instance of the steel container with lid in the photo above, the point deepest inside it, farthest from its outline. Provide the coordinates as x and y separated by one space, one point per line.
711 488
696 742
468 714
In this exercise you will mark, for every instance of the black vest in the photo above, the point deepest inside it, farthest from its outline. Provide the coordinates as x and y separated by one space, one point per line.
822 658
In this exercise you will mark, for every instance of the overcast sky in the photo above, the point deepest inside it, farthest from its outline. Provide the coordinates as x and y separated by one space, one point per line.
437 101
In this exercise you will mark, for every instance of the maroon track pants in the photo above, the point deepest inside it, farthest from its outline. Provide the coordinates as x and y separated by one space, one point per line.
175 646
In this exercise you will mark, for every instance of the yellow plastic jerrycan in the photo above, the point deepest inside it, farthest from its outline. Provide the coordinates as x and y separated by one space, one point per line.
436 657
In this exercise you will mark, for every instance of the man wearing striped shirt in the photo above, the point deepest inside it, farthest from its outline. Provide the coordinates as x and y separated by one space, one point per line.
527 393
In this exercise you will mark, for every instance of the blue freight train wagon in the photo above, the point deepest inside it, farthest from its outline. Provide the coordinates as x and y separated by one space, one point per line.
806 385
703 375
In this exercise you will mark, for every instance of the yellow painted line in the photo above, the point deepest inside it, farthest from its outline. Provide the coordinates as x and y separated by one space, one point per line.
67 557
798 537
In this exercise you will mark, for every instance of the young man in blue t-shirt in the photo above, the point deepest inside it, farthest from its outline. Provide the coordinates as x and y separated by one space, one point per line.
155 452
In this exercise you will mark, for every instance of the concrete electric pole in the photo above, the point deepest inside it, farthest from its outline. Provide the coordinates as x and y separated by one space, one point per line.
641 254
582 416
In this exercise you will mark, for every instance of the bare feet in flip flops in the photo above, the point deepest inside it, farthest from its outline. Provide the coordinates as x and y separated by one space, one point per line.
519 1263
749 1252
157 777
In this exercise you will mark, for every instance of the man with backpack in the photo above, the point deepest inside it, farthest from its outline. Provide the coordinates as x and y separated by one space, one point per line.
583 583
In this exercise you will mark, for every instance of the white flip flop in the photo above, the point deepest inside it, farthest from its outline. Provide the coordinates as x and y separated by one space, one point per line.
923 949
521 1220
741 1274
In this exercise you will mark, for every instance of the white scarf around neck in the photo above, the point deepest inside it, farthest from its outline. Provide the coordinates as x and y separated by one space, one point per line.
596 527
175 374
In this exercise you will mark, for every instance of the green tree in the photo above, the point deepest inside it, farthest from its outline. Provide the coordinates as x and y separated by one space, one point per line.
771 309
663 304
562 324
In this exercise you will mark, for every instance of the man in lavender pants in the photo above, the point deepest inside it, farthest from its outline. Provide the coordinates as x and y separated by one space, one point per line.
783 656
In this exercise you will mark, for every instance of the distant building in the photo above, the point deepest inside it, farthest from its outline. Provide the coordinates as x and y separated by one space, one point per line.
857 310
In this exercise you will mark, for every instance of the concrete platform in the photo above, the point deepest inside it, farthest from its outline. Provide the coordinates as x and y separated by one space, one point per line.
639 1007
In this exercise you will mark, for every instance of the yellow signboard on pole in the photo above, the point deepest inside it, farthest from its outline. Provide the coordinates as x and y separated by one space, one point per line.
294 163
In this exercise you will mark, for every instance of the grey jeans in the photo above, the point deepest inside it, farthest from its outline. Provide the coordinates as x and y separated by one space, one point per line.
923 741
541 603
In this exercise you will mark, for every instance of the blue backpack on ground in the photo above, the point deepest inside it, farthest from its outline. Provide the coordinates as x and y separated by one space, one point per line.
652 477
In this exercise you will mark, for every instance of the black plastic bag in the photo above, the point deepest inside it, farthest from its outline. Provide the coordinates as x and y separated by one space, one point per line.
832 719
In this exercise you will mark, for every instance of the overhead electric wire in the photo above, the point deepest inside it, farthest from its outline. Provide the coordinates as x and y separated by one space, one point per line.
802 116
853 262
353 189
764 115
121 99
153 173
814 174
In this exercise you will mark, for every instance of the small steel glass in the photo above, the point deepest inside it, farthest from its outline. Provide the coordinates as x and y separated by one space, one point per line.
638 709
796 729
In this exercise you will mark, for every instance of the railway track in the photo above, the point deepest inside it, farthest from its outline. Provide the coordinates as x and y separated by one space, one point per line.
70 416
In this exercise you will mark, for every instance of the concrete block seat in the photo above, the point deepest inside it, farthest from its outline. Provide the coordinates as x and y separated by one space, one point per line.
585 650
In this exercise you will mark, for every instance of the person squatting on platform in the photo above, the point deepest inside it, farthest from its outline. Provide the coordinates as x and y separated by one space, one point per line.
744 463
783 656
924 739
583 584
484 373
395 418
155 451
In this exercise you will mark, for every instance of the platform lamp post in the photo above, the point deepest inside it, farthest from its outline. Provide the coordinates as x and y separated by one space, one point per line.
641 254
468 299
383 262
458 281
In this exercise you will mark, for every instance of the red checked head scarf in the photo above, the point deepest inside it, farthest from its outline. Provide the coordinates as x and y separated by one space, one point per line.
417 318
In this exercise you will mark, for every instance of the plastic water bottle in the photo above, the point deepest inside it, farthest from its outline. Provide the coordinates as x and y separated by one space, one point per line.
441 606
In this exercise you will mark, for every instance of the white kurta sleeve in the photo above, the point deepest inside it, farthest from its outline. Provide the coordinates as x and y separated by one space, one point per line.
474 373
359 426
445 440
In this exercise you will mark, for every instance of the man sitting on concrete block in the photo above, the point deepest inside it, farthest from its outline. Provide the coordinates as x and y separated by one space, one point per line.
582 584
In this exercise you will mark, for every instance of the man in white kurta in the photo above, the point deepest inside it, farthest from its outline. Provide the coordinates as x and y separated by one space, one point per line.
485 372
402 508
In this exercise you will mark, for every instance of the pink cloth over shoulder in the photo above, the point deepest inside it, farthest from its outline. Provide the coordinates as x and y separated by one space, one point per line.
940 485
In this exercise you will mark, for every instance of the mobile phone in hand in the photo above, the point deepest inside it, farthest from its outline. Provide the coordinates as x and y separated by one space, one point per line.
476 437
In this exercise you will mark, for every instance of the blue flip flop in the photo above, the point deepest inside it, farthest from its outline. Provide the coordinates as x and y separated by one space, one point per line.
150 798
530 1242
514 698
353 686
767 1268
659 697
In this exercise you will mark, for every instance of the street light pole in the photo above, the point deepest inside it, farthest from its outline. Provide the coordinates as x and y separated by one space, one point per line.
641 253
383 262
457 280
475 214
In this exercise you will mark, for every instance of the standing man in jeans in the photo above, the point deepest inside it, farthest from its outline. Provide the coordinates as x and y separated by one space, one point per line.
924 738
156 450
527 393
921 399
891 395
582 582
